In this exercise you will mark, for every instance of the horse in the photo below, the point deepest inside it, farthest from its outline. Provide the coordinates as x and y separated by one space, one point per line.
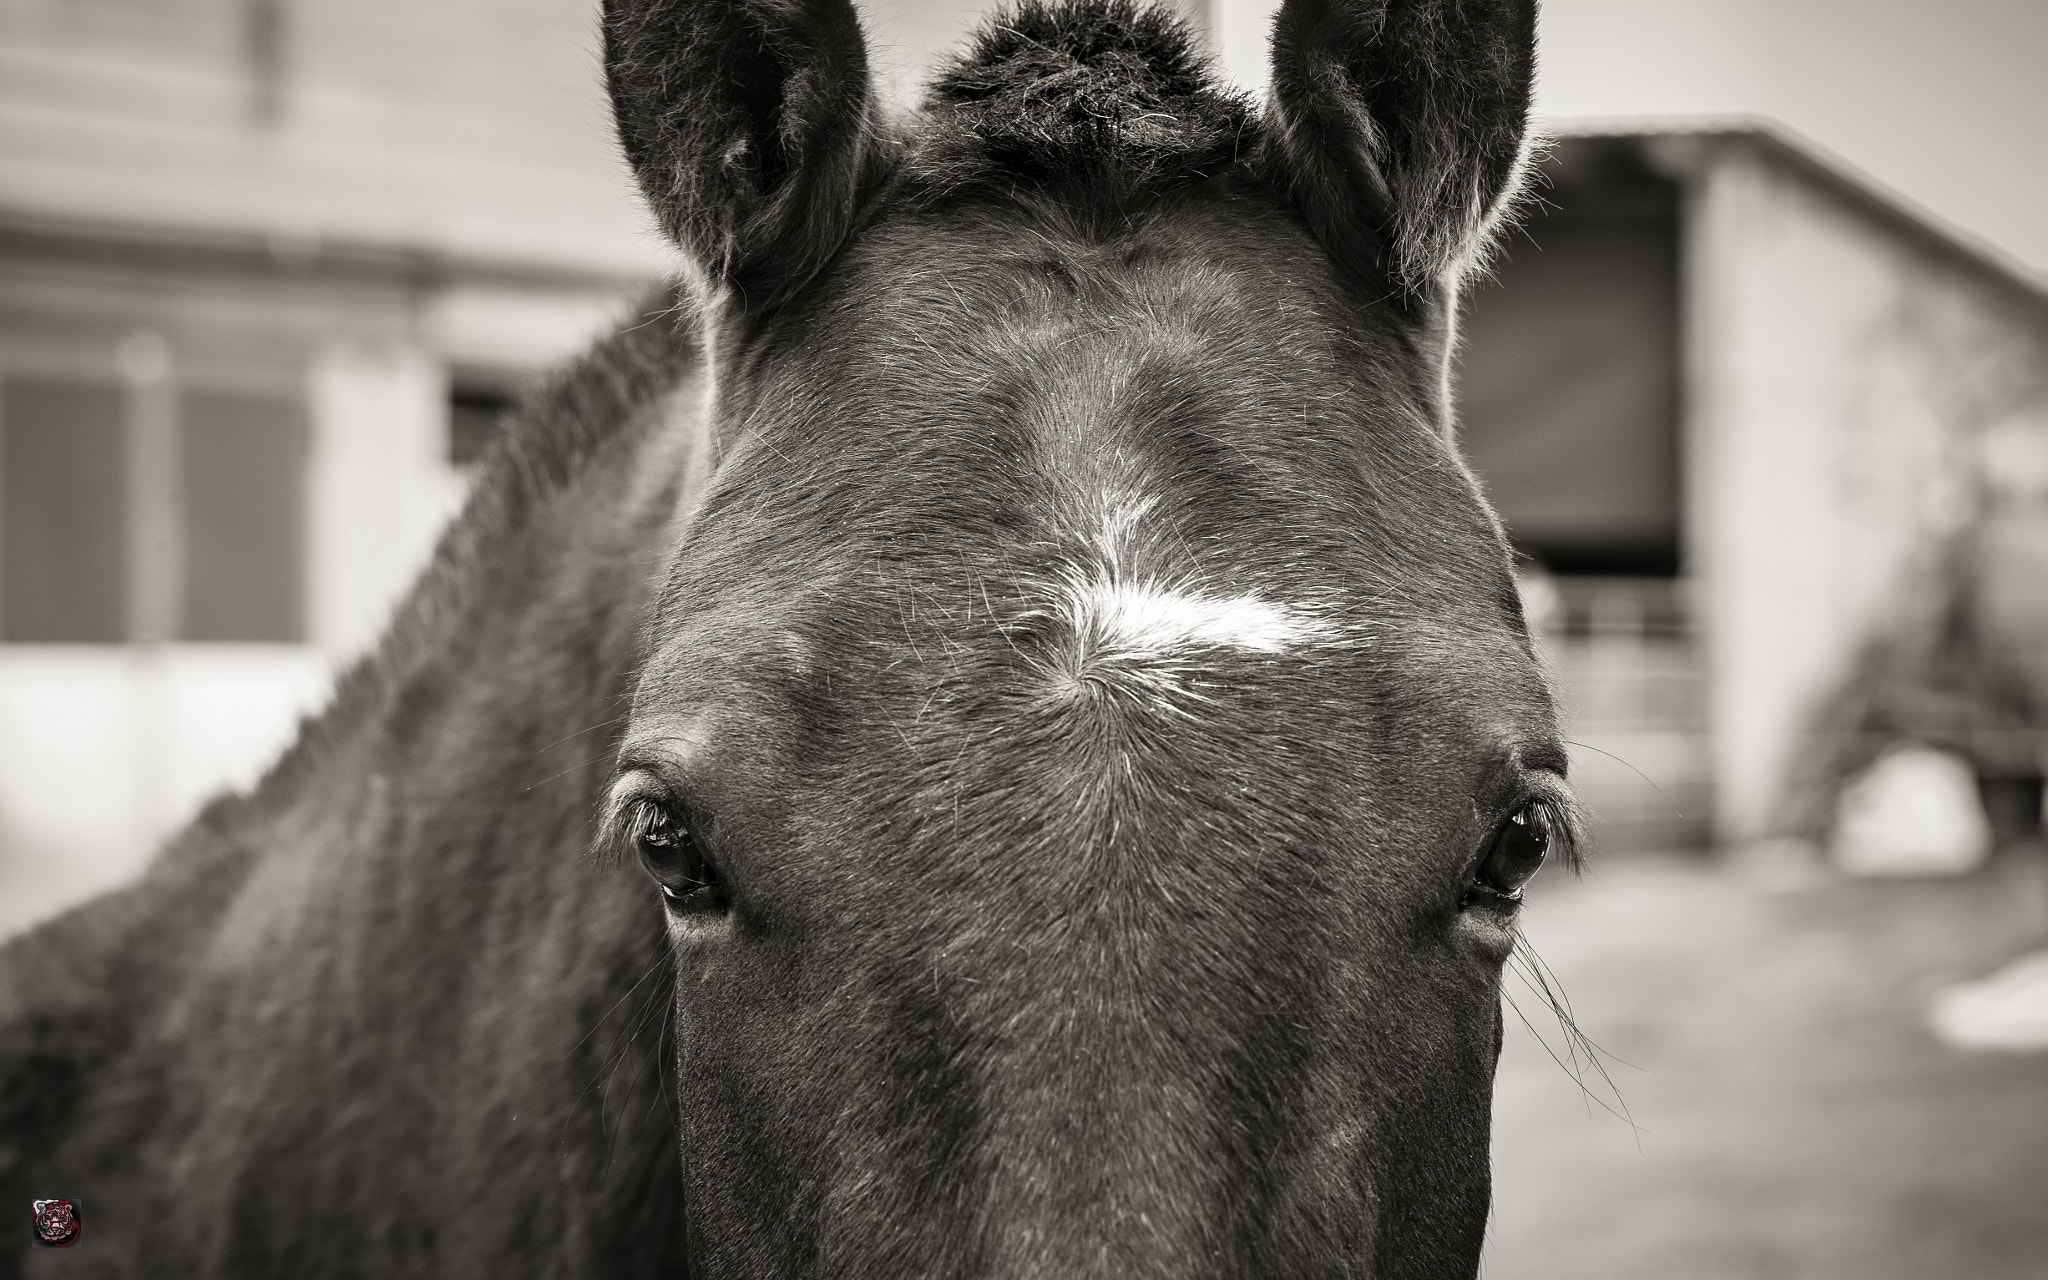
1017 601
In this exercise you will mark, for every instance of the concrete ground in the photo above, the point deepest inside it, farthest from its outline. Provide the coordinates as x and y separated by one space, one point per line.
1792 1115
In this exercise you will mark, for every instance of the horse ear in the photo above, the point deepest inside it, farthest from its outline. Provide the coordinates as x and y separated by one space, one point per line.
750 125
1402 126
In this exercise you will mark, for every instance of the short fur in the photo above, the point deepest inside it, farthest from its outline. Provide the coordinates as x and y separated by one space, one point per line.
1405 124
751 127
1044 952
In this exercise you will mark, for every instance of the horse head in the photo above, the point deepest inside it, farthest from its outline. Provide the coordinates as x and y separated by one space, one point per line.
1087 742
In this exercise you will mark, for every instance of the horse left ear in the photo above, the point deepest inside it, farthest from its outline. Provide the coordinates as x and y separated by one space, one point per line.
750 125
1402 126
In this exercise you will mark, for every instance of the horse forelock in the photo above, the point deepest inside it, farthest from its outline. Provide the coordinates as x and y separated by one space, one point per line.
1055 91
611 391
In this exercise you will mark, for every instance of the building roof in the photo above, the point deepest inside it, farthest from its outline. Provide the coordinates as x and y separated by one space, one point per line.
236 251
1687 142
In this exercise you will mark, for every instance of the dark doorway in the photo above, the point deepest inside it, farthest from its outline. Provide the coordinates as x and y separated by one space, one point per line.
1569 372
480 401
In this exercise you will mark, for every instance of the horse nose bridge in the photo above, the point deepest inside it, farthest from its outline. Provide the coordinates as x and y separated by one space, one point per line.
1033 1253
1141 945
1085 1121
1126 1112
1102 1196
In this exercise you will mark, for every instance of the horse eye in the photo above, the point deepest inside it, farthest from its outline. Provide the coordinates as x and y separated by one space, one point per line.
670 851
1517 853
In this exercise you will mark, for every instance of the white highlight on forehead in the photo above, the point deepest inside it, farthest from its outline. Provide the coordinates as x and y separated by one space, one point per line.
1138 619
1120 515
1123 629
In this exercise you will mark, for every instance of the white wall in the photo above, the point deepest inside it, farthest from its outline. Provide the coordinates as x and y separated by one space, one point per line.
378 489
475 127
1844 379
1944 103
1242 31
105 750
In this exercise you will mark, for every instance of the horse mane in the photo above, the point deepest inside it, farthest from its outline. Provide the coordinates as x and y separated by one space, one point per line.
552 432
76 991
1094 88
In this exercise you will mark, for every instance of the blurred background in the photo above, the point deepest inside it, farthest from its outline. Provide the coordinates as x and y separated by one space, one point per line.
1761 391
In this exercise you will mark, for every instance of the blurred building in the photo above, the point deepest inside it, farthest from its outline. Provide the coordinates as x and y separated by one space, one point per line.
1778 440
268 272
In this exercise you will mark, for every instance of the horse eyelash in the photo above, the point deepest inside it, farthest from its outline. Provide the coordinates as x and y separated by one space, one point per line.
1566 822
618 827
643 816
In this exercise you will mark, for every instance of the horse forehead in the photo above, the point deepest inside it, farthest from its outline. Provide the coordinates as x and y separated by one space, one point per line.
1201 349
1006 281
1132 451
1111 379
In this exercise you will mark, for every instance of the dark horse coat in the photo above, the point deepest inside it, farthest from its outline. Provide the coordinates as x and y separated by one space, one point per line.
1022 606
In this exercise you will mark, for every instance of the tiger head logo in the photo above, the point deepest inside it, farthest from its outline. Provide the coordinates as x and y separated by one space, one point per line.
56 1223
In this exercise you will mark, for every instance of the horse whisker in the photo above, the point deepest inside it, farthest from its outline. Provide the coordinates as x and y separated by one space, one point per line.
1632 769
1532 970
602 724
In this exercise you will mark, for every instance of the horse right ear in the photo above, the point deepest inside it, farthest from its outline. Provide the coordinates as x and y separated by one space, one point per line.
750 125
1402 127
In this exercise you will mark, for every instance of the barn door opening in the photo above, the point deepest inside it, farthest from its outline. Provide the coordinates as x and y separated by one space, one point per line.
1569 386
1570 404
